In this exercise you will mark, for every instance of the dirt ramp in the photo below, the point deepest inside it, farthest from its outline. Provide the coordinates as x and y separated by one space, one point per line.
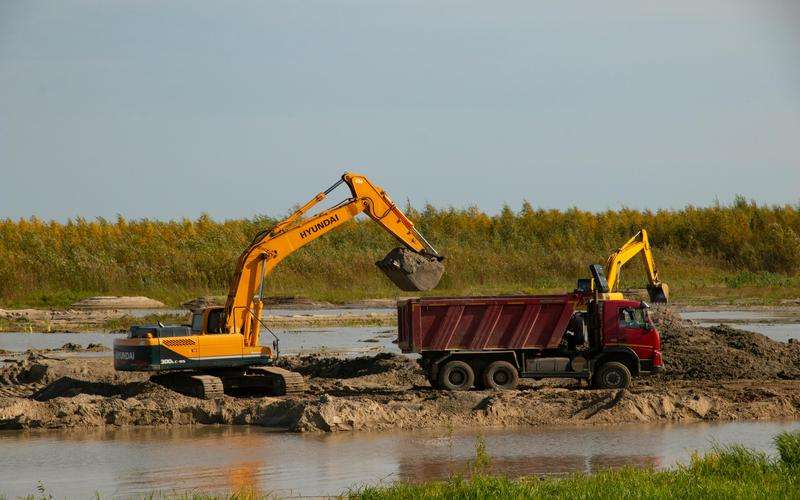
411 271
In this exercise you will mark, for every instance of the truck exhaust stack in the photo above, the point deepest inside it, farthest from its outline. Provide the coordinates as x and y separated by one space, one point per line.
411 271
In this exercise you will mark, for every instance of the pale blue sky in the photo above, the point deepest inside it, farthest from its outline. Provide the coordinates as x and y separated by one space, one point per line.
167 109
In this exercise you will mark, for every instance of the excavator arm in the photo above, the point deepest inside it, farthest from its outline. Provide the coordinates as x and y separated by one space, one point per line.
244 306
638 245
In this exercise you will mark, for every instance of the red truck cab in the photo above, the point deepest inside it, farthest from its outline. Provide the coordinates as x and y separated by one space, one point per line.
490 342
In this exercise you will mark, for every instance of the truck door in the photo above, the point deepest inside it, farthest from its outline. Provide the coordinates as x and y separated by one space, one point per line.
634 329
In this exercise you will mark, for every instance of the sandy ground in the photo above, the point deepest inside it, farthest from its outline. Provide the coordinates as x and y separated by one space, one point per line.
714 374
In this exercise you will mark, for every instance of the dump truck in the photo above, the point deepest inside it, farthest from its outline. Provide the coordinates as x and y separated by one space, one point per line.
491 342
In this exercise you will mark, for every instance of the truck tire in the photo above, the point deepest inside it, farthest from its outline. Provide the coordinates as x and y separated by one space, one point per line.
500 375
456 376
612 375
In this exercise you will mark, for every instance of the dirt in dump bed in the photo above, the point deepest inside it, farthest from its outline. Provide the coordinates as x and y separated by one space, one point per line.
722 352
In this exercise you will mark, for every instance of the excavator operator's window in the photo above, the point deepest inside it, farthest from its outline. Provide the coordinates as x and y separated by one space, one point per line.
197 322
216 321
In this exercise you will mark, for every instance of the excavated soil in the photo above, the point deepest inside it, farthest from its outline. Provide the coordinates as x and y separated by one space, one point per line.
722 352
714 374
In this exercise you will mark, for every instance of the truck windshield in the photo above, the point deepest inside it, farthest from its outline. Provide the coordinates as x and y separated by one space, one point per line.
633 318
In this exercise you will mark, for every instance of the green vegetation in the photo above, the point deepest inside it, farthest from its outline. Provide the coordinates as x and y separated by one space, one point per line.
726 252
726 472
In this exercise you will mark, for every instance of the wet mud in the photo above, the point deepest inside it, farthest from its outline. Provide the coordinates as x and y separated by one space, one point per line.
714 374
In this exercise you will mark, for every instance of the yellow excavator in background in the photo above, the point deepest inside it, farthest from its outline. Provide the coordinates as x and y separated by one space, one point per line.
221 352
606 281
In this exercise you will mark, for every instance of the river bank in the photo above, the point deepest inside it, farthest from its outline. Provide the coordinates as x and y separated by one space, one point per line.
295 312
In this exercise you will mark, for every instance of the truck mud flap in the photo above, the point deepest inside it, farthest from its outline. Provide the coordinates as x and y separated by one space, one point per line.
411 271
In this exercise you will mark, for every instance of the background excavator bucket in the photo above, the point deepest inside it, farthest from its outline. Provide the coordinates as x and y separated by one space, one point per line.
659 294
411 271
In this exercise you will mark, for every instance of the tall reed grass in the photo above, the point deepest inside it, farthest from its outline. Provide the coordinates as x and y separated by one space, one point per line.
731 246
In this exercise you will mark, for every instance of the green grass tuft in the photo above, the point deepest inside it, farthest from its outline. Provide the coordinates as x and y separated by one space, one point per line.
788 444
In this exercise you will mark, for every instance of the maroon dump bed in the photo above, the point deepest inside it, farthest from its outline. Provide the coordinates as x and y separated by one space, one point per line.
478 323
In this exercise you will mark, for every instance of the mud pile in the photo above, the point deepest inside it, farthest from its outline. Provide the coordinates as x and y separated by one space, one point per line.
722 352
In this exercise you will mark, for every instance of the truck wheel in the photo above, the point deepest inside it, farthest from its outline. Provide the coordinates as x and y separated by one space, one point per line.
500 375
456 376
612 375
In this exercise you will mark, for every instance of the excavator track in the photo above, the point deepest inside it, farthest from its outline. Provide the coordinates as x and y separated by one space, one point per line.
197 386
283 382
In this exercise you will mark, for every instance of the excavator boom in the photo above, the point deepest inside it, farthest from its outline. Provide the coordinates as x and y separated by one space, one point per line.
270 247
639 244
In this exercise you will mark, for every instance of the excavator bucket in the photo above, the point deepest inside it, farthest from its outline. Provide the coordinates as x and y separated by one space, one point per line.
411 271
659 294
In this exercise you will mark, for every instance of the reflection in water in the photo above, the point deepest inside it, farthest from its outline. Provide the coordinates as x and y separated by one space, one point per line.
130 462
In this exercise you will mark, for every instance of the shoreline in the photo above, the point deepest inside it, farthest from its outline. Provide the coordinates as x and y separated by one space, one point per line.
33 320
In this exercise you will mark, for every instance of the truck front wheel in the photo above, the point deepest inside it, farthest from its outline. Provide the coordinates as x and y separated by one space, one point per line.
500 375
612 375
456 376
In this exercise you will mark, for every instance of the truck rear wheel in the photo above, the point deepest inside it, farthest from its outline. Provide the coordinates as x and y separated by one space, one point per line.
500 375
612 375
456 376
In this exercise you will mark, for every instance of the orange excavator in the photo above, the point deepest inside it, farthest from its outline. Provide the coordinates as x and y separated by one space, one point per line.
221 351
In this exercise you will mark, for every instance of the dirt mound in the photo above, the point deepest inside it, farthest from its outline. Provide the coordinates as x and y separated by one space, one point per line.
722 352
68 387
37 368
108 302
73 347
332 367
383 373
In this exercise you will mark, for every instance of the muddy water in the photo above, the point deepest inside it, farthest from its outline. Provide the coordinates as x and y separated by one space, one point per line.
129 462
339 340
777 325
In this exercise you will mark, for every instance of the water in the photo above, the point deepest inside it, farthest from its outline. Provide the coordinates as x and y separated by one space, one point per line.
781 332
777 325
736 315
336 340
128 462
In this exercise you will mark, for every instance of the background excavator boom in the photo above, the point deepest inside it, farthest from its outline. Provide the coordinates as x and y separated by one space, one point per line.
639 244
